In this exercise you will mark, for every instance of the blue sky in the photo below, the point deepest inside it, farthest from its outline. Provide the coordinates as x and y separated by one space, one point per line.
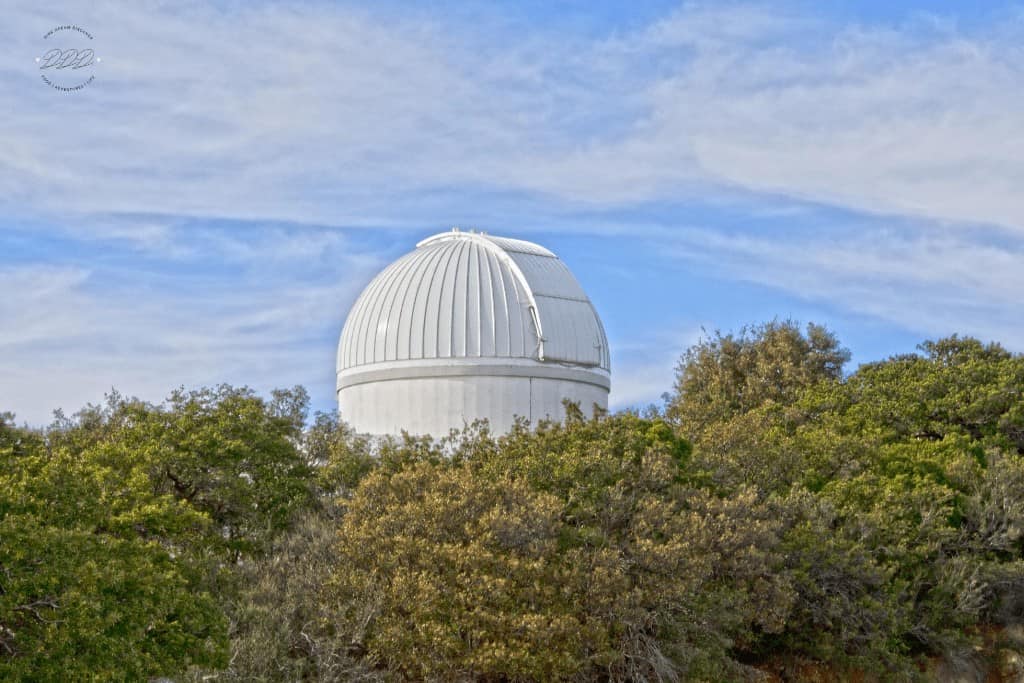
209 207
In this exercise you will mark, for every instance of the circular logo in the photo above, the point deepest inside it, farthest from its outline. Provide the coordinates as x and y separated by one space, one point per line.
68 59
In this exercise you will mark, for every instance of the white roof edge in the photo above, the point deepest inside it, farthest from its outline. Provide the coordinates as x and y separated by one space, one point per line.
453 367
502 243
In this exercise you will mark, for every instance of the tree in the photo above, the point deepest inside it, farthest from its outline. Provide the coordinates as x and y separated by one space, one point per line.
121 527
340 457
282 627
225 453
908 471
936 488
82 594
578 550
728 375
864 522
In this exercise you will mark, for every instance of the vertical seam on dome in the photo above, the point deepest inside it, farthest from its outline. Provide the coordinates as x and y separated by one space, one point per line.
575 336
430 288
490 293
480 303
436 254
372 306
455 295
381 306
469 288
410 282
504 296
523 319
606 353
351 340
437 331
471 256
365 312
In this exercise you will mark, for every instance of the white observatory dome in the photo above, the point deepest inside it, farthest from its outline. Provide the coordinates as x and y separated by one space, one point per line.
470 326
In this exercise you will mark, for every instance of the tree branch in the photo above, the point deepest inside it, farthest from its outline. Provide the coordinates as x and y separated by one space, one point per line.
33 609
189 492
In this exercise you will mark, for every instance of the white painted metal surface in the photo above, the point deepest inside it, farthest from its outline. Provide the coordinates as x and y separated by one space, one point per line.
470 326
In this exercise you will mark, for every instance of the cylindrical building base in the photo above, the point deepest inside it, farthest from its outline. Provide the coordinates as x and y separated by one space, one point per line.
434 397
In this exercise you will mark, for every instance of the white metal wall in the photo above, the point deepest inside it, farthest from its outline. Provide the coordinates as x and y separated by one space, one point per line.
435 405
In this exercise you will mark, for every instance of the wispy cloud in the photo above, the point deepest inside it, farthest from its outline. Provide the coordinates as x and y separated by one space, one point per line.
206 188
306 113
932 282
71 333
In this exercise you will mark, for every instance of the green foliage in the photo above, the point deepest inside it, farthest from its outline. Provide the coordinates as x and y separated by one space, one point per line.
959 386
119 528
340 457
575 550
907 472
223 453
728 375
82 606
83 595
866 522
842 612
282 628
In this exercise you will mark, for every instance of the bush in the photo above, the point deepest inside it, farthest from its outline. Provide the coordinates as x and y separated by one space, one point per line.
578 550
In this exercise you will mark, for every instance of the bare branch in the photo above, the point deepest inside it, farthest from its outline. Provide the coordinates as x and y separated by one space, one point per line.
33 609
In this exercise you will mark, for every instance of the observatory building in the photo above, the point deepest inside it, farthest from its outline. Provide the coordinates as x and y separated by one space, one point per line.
470 326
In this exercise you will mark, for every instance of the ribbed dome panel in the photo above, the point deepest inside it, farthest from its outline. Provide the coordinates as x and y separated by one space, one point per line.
468 295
